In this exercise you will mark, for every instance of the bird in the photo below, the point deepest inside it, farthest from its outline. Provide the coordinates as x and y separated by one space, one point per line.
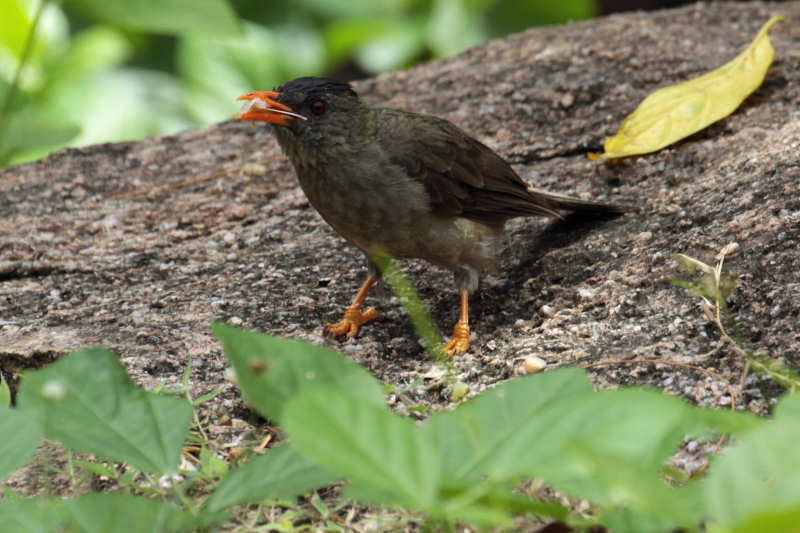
406 184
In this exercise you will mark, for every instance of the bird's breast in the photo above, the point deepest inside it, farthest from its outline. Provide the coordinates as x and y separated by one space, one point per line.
368 201
373 202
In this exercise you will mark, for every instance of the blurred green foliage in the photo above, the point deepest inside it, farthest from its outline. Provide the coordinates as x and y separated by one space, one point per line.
83 71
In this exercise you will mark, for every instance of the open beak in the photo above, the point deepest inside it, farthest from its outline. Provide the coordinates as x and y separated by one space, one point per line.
262 106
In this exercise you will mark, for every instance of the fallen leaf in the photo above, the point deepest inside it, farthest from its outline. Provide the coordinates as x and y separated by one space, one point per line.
675 112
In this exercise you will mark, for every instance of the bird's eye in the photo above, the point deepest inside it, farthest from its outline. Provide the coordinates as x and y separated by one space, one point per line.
318 107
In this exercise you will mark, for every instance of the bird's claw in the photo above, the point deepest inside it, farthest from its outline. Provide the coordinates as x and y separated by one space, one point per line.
349 324
459 342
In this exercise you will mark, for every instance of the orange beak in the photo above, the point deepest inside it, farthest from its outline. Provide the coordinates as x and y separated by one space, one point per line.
262 106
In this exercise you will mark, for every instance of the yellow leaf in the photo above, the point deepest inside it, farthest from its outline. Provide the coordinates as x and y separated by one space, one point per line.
675 112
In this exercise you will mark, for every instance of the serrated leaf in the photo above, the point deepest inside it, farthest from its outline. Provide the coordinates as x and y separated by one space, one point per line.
487 435
212 17
488 504
271 370
31 515
87 402
675 112
774 521
21 433
756 478
365 442
280 473
632 499
98 513
104 512
554 427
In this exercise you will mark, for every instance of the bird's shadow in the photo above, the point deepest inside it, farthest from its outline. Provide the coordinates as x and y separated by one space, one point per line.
524 252
558 234
521 260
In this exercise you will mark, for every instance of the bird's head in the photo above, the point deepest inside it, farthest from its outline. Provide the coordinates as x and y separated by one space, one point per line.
310 108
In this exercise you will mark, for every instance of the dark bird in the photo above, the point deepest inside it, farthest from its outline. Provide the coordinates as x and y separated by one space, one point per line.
406 184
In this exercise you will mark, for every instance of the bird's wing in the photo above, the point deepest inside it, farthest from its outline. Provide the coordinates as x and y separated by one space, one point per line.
462 176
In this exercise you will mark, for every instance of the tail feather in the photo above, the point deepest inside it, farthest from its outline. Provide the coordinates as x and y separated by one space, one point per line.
558 202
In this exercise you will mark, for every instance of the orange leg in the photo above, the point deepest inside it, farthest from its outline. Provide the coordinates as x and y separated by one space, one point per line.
353 317
459 342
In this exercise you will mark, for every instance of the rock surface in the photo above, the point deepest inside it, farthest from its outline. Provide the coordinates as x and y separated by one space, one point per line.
138 246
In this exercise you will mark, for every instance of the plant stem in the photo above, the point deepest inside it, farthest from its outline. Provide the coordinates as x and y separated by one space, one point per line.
5 112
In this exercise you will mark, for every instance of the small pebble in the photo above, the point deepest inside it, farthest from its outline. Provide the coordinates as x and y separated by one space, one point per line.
460 389
254 169
533 364
586 294
229 237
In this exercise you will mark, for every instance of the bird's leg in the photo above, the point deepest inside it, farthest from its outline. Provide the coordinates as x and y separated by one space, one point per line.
459 342
353 317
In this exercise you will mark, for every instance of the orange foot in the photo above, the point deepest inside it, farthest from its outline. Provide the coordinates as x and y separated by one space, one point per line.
459 342
349 324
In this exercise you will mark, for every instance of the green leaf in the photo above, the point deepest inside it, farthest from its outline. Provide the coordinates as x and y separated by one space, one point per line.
723 421
487 435
608 447
489 503
29 129
118 104
103 512
14 26
211 17
453 27
281 473
36 515
634 520
778 521
636 430
97 468
21 433
211 466
98 513
348 9
510 16
631 498
216 71
344 37
367 443
87 401
675 112
271 370
394 49
91 50
757 477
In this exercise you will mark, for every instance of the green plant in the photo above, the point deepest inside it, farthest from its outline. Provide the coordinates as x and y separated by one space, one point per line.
715 287
458 466
74 87
86 71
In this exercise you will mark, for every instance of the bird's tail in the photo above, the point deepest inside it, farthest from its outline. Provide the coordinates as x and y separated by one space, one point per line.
558 202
